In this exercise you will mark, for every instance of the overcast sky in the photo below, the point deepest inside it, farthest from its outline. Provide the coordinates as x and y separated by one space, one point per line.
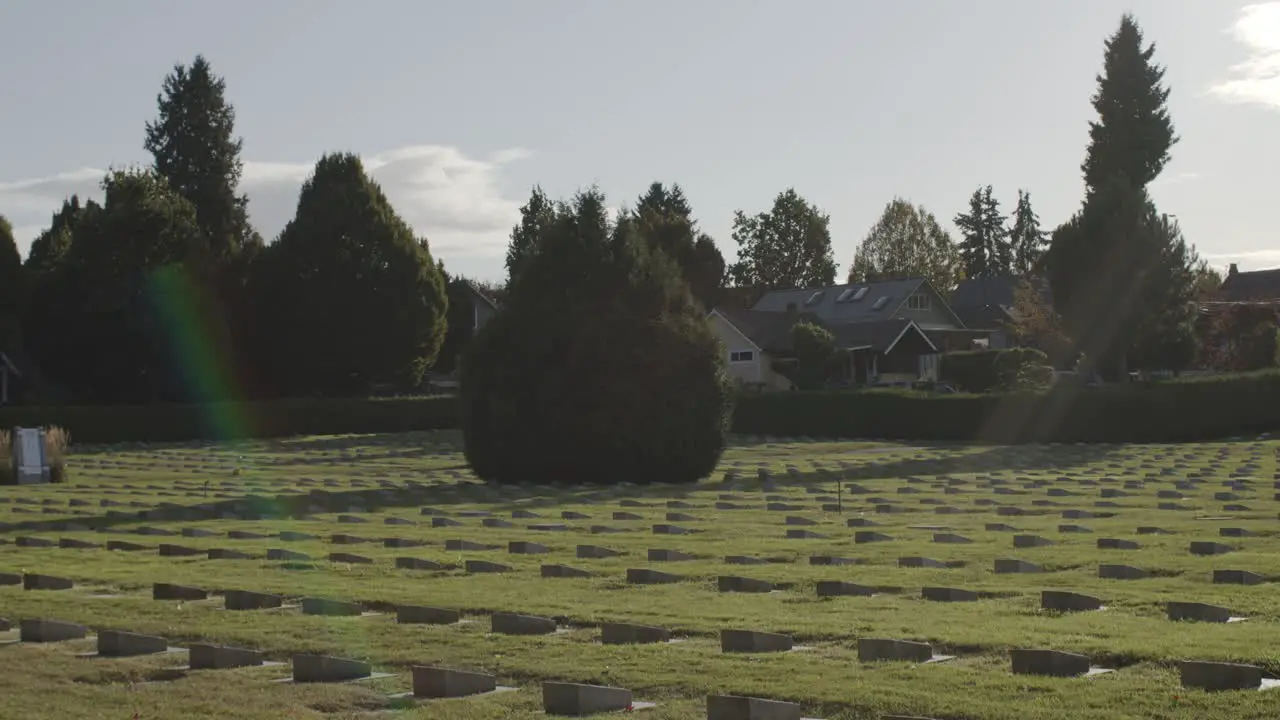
459 108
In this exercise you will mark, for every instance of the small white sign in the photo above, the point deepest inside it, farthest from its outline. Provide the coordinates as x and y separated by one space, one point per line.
30 450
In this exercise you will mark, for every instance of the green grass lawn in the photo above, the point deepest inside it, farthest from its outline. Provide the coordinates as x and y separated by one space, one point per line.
397 476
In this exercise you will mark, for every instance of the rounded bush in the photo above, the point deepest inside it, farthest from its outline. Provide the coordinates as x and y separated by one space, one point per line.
599 368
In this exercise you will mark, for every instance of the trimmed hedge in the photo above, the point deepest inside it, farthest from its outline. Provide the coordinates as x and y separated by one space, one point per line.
1204 409
980 371
228 421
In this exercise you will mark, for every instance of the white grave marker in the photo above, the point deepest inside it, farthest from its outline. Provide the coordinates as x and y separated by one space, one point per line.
29 456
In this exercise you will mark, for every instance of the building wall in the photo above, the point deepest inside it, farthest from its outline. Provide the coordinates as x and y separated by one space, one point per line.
758 370
936 316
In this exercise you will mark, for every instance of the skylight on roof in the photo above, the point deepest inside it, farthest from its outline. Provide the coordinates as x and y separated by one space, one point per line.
862 292
880 301
844 294
814 298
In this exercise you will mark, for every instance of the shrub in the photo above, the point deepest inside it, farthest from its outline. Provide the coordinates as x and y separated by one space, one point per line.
982 371
599 368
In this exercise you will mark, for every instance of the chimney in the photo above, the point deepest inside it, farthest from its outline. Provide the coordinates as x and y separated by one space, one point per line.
1233 270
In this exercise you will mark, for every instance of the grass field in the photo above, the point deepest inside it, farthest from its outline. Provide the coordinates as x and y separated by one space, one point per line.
376 479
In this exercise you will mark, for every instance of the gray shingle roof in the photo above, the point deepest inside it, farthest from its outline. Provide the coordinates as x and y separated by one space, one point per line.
824 303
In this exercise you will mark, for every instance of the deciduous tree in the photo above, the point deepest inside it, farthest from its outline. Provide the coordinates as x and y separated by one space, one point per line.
817 359
907 241
789 246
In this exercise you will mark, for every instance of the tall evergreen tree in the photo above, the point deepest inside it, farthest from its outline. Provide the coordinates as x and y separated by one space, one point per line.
1027 240
535 215
788 246
1120 276
347 298
619 377
13 287
907 241
194 147
664 219
1133 133
984 245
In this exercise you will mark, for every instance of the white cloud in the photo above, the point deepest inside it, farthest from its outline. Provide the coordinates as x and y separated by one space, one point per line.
1257 79
1246 259
452 199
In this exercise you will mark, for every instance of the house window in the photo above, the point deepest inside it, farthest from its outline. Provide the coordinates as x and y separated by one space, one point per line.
919 302
742 356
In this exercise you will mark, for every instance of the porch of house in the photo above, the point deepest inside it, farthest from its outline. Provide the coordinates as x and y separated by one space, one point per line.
907 357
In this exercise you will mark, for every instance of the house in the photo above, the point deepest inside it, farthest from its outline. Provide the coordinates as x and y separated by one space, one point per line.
10 376
483 307
1253 286
894 330
988 304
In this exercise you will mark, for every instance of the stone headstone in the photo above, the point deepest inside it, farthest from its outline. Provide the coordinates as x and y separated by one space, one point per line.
44 631
942 594
331 608
1053 663
114 643
1122 572
484 566
839 588
1117 544
213 657
730 583
884 649
1030 541
595 552
630 634
1201 612
752 641
34 581
423 615
576 700
663 555
1217 676
516 624
167 591
645 576
1009 566
1209 548
438 682
870 536
1237 577
350 559
736 707
1063 601
563 571
248 600
322 668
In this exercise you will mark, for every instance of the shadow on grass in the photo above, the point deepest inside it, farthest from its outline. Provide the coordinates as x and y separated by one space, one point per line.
505 498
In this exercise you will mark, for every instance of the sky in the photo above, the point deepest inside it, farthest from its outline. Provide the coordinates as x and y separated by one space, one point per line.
459 108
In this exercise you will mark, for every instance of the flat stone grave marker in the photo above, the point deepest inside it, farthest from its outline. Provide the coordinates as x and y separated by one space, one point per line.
630 634
1237 577
645 576
1030 541
167 591
467 545
576 700
1152 530
484 566
203 656
840 588
349 558
663 529
731 583
1201 612
563 571
889 650
438 682
752 641
824 560
1052 663
1220 676
870 536
1064 601
48 631
34 581
515 624
330 608
115 643
595 552
943 594
920 562
1117 544
423 615
1209 548
663 555
248 600
736 707
860 522
999 527
309 668
1010 566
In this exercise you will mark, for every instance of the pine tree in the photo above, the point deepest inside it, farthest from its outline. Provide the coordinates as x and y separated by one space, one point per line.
1133 133
619 377
534 217
984 245
194 147
1026 239
787 247
13 286
664 218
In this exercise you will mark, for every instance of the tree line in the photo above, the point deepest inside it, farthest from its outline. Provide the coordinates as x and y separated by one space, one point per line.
164 291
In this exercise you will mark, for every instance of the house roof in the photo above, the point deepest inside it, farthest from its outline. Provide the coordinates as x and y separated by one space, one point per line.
1254 285
825 302
982 292
881 336
770 331
483 297
984 317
